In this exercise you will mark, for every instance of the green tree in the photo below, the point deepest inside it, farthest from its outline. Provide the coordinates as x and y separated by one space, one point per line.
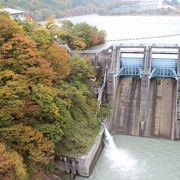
84 31
13 91
53 131
42 38
80 67
44 96
67 25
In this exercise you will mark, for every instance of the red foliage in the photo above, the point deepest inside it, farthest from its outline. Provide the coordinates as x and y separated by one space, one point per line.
95 39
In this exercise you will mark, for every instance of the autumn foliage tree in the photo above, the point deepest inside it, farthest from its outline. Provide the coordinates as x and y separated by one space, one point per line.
7 28
13 92
28 142
58 58
45 104
78 36
11 165
22 57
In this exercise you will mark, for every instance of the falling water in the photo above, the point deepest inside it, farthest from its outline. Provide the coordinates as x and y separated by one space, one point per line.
109 142
120 159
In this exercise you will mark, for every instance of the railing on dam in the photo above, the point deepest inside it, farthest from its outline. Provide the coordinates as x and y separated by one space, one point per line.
147 60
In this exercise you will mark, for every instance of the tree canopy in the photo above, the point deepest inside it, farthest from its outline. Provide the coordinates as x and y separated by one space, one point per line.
42 9
76 36
46 107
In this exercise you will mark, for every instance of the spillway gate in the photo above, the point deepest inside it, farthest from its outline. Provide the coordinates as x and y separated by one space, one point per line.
138 61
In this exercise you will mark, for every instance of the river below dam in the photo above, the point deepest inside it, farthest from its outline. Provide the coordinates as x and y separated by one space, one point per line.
138 158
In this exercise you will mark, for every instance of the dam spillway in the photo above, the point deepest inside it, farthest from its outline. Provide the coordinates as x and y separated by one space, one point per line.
127 106
158 119
143 88
145 96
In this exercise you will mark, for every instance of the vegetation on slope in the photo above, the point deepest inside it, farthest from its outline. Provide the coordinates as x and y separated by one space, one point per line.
46 107
42 9
78 36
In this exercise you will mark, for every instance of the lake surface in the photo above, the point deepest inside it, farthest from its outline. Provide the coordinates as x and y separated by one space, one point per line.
120 27
138 159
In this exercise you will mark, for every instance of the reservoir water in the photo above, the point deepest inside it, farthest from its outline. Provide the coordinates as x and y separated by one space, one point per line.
131 27
137 158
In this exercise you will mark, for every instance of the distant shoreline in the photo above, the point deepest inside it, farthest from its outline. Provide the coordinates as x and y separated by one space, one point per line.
120 14
140 14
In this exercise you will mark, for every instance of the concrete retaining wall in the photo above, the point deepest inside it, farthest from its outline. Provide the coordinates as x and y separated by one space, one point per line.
82 165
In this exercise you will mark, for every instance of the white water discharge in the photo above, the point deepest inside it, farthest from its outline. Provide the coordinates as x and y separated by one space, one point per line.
152 159
119 159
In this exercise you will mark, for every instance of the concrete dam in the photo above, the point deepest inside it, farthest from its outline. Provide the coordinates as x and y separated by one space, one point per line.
143 89
142 85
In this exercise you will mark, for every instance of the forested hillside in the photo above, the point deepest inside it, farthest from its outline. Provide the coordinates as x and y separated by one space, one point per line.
41 9
46 107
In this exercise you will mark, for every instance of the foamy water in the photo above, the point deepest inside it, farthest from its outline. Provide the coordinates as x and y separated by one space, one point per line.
120 159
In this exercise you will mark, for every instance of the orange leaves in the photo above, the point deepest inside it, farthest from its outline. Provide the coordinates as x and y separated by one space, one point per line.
31 109
58 58
22 56
19 47
11 164
95 39
28 141
8 27
6 47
